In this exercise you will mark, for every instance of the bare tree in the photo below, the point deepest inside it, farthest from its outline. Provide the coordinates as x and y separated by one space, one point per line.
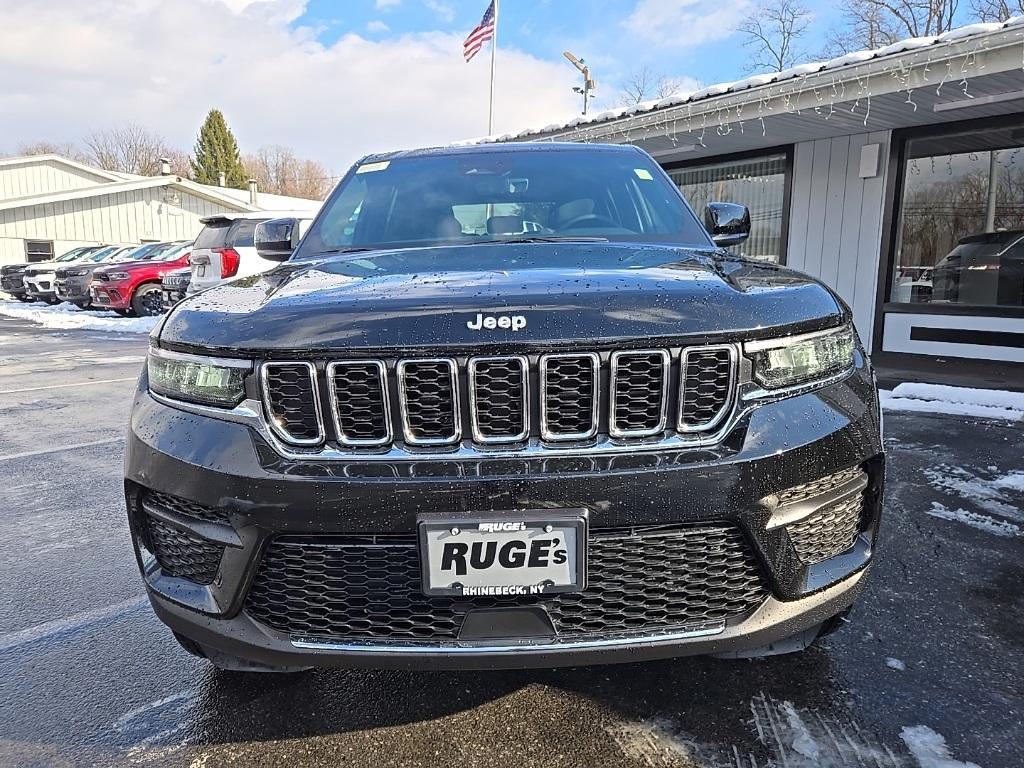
277 170
644 84
875 23
130 148
773 33
996 10
43 147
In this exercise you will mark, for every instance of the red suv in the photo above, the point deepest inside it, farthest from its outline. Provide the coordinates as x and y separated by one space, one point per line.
134 287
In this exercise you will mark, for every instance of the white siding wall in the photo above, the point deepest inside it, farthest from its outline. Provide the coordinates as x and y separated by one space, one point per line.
124 217
43 176
835 220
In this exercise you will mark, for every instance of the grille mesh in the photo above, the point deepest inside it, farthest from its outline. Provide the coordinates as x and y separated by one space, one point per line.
569 391
182 554
828 532
360 402
429 400
818 487
183 507
638 582
706 386
499 398
291 399
639 392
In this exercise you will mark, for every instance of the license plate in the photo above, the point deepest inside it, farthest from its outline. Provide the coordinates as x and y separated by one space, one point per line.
200 270
516 554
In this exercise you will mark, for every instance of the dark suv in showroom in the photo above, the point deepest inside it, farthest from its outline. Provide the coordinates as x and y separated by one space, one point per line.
505 406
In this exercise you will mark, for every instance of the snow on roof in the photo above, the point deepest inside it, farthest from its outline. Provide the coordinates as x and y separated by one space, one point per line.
801 70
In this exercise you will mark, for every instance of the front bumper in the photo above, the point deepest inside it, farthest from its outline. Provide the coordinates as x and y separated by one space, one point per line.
263 497
75 289
13 284
110 295
172 294
40 287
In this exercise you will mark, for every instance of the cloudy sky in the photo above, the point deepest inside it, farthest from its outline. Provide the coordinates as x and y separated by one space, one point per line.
335 79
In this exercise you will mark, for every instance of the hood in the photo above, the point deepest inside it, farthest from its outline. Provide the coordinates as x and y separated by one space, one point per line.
548 292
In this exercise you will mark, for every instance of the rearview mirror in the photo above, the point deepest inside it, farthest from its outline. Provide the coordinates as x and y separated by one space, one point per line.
727 223
275 239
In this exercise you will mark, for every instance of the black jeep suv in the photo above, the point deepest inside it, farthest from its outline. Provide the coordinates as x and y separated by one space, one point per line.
505 406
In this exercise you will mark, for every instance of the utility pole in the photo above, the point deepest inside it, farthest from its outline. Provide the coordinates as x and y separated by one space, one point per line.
588 82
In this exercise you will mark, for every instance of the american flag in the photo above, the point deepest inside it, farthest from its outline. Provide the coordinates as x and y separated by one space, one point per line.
483 32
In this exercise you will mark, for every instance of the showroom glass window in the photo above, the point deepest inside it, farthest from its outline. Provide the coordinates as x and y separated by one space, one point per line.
960 233
758 183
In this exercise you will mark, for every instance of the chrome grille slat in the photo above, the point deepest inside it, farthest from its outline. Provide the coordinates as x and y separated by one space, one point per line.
428 396
359 402
707 386
292 400
639 392
499 403
569 396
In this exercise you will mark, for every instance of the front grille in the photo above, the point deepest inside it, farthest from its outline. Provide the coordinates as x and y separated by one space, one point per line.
359 397
624 394
181 553
706 387
498 399
828 532
640 582
569 396
428 394
291 398
639 393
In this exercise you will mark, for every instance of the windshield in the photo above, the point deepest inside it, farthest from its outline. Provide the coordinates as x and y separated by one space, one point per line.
144 251
171 252
462 198
74 254
102 253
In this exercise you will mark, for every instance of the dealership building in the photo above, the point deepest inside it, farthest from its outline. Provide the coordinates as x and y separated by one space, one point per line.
50 204
896 176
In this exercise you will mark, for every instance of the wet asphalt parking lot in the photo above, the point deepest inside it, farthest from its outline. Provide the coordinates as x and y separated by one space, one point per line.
930 667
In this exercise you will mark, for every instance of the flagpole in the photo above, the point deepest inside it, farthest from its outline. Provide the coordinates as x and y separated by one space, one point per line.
494 50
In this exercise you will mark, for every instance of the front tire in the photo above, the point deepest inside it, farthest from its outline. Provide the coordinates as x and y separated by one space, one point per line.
148 300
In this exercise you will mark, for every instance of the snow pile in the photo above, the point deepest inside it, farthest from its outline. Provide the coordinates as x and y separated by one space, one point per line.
975 520
929 748
896 664
957 401
70 317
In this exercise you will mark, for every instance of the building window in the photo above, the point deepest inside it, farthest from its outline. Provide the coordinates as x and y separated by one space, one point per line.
756 182
960 233
38 250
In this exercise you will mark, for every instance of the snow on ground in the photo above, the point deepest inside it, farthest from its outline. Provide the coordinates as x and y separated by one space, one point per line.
70 317
929 748
956 401
896 664
975 520
998 494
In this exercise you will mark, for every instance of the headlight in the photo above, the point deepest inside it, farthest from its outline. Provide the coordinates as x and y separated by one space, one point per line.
203 380
118 276
801 359
77 272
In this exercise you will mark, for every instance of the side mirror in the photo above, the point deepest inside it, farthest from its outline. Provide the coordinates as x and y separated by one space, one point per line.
275 239
727 223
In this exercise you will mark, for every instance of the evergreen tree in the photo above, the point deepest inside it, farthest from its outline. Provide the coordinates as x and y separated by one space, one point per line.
216 151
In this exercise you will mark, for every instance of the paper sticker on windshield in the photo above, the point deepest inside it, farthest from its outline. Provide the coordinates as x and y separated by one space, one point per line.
643 173
371 167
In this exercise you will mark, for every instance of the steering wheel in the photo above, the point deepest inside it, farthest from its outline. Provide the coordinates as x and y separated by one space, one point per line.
591 219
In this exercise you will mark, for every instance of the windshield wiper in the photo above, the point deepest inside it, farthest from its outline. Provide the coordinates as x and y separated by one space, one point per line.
352 249
541 239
